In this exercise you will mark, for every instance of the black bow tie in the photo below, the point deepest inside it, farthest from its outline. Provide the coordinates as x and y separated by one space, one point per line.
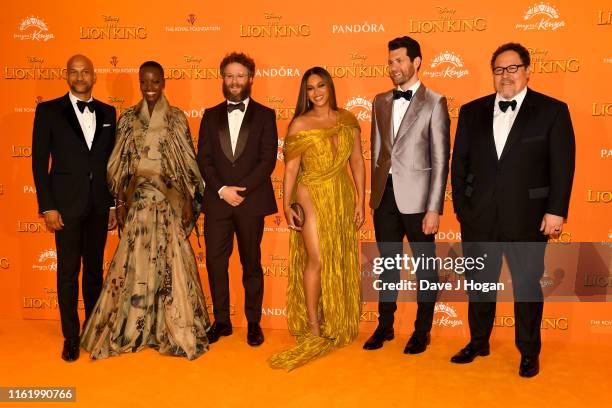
82 105
503 105
233 106
397 94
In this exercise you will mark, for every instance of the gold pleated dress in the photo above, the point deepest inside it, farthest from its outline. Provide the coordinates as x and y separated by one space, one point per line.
325 174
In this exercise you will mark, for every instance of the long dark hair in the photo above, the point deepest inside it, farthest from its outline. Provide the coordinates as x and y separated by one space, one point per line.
303 105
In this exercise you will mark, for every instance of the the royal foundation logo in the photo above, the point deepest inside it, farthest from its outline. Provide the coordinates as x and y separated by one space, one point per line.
34 70
447 22
116 68
201 259
358 68
445 315
601 323
361 107
548 323
541 17
448 65
602 109
47 261
544 63
273 27
33 29
601 197
358 28
604 17
112 30
193 25
192 70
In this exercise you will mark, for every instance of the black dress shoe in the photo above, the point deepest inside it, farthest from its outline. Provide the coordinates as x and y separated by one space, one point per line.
217 330
417 344
71 350
530 366
378 338
255 336
469 353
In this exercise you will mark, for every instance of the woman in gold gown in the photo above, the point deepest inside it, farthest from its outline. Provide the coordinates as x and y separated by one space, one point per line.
323 293
152 294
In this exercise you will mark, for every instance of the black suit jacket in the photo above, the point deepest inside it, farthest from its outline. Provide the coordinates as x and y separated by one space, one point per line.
532 177
75 170
250 166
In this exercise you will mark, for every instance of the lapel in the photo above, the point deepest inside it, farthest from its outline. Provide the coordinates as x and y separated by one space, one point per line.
72 119
386 121
416 104
99 123
224 134
519 124
487 123
243 135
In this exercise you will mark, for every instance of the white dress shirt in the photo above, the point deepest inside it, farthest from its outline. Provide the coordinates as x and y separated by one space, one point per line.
87 120
400 107
234 120
503 121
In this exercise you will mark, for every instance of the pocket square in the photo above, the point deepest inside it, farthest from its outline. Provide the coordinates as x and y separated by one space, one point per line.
106 125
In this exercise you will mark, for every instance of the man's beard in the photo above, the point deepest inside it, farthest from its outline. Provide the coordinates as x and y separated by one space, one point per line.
245 92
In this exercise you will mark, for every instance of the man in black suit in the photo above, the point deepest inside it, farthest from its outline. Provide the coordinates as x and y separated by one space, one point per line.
236 154
511 173
78 133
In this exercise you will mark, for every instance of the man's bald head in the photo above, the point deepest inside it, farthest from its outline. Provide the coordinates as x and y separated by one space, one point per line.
80 76
79 58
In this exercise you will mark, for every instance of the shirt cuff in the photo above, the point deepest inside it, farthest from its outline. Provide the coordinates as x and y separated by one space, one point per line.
219 192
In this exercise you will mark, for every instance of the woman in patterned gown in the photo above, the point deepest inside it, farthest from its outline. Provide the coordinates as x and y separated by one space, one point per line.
152 295
323 293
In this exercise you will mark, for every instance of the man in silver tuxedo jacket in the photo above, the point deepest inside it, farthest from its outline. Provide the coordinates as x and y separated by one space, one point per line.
410 153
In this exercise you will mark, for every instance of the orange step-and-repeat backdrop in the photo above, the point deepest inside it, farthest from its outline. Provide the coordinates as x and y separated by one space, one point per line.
572 61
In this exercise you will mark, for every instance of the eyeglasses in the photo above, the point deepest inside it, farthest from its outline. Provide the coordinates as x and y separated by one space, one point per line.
511 69
230 77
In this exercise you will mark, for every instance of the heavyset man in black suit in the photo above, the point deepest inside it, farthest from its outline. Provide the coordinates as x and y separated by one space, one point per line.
237 152
511 173
77 133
